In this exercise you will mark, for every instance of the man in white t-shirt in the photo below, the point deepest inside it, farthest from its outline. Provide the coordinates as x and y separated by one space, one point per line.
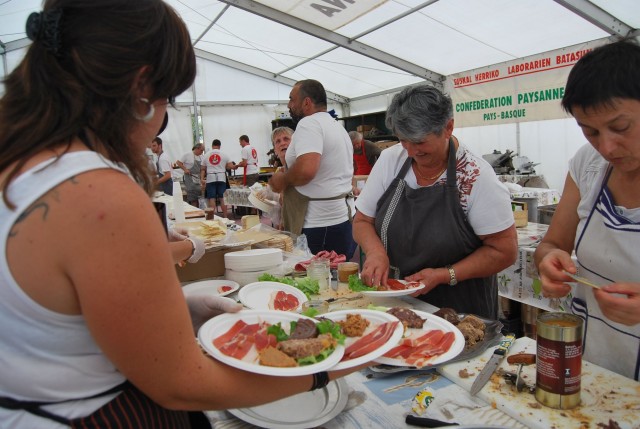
317 184
214 173
249 162
190 163
163 167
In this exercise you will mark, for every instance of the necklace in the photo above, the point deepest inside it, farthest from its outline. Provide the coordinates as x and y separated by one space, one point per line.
432 177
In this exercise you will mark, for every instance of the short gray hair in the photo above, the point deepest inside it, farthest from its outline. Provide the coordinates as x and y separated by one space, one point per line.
281 130
198 146
417 111
355 136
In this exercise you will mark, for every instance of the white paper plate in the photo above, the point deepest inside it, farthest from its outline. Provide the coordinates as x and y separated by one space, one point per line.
388 293
257 295
219 325
210 287
265 206
375 318
301 411
432 322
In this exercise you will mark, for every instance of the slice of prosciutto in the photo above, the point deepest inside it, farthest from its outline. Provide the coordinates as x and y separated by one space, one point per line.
223 289
398 285
370 342
238 340
419 350
281 300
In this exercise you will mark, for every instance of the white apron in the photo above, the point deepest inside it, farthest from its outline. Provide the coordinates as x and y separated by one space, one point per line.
608 251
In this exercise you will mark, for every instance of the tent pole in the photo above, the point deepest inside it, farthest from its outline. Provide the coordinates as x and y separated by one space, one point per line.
196 115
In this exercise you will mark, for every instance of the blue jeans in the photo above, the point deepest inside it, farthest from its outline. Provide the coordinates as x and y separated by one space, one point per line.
338 238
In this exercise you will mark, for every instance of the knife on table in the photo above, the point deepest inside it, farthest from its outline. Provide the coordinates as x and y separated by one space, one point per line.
493 364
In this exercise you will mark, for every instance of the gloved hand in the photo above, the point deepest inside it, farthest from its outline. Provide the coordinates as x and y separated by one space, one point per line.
204 307
198 249
178 234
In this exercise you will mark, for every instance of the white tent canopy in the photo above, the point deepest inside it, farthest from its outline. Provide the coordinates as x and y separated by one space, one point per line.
250 52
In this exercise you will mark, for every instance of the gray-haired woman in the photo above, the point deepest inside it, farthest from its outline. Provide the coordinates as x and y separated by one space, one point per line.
434 212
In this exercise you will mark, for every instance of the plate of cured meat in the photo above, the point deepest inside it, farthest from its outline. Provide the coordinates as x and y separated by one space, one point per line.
211 287
272 296
395 288
369 334
428 340
265 342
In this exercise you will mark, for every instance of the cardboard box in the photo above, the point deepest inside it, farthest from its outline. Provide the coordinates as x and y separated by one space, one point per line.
520 282
383 144
364 128
520 213
210 265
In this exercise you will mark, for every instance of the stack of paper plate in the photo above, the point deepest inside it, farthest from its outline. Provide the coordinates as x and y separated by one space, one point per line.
245 277
253 260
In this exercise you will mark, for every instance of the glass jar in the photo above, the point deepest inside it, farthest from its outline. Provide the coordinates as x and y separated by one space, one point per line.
318 269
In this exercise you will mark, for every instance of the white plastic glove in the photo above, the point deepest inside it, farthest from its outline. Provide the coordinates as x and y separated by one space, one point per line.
204 307
178 234
198 249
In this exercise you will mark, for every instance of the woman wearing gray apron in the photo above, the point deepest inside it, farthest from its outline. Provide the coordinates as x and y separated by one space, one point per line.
441 217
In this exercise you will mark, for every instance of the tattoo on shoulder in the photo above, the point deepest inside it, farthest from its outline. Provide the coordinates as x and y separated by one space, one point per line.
41 206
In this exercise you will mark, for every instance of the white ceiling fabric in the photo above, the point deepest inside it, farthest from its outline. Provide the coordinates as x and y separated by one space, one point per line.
362 48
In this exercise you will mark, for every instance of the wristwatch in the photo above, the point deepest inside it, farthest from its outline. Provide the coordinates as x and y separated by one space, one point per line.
452 275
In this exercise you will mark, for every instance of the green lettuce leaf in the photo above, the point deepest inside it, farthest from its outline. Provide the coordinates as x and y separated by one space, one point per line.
309 360
356 284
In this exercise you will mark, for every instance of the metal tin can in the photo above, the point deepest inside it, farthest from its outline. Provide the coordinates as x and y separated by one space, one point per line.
559 360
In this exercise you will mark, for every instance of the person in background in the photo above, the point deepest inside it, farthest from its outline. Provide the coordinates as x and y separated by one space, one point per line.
191 163
213 174
103 342
434 212
365 154
598 216
316 186
281 139
164 181
249 162
152 159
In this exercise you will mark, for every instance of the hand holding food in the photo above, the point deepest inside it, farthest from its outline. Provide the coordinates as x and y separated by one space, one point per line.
204 307
376 269
550 269
620 302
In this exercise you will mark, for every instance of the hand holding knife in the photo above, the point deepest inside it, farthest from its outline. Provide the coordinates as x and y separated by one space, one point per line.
493 364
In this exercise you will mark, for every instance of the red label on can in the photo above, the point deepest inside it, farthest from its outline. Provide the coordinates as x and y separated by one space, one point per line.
558 366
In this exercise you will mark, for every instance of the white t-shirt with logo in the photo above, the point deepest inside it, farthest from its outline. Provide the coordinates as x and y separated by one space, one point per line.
250 154
215 161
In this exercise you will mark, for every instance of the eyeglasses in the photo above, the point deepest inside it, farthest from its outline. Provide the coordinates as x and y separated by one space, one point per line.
171 100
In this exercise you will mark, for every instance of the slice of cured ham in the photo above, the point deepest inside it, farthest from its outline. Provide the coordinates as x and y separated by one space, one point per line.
281 300
223 289
418 350
370 342
238 340
398 285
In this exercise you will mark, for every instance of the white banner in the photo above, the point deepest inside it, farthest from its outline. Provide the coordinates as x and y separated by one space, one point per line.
329 14
528 89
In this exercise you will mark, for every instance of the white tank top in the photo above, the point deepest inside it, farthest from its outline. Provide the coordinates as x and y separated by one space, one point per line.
47 356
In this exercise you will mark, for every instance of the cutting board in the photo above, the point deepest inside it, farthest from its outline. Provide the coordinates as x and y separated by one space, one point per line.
605 395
